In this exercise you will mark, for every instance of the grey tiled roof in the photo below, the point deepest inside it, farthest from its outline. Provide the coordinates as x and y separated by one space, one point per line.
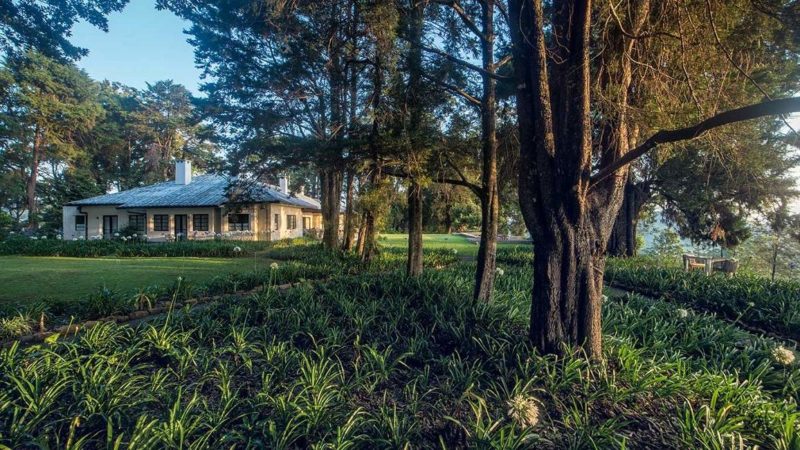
204 190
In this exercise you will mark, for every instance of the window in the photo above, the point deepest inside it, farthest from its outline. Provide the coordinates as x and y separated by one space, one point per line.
110 225
136 221
200 222
306 223
80 224
277 225
291 221
161 222
239 222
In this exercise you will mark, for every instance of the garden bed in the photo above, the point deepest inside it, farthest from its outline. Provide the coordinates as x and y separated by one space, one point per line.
381 361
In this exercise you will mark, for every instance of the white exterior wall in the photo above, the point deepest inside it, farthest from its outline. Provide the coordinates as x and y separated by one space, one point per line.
68 214
283 232
261 221
154 235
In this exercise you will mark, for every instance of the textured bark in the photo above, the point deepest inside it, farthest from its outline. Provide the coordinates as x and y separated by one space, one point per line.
448 215
33 178
331 187
349 217
568 224
414 263
368 247
622 242
490 204
570 213
413 106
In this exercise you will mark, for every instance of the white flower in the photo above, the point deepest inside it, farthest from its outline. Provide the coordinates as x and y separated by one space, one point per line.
237 249
499 271
750 304
58 236
273 266
44 238
682 313
524 411
34 238
454 251
134 235
783 355
116 234
124 239
12 232
180 279
74 239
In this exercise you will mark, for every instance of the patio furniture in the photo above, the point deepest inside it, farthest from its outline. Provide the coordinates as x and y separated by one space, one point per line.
708 265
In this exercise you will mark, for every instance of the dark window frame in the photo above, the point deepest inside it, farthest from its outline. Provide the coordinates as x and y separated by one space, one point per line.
160 222
277 222
141 219
240 224
291 221
200 222
83 219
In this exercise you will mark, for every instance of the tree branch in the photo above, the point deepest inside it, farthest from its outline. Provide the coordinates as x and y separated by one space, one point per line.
454 89
455 6
439 179
462 63
640 35
769 108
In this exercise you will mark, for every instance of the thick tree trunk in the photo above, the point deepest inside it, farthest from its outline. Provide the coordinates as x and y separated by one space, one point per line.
414 110
349 217
569 224
490 204
414 263
368 246
570 215
331 187
568 280
448 215
33 178
622 242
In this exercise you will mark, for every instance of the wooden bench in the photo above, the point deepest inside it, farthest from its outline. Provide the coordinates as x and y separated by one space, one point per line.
708 265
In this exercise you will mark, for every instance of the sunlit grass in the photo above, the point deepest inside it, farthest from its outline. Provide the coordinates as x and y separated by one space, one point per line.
25 278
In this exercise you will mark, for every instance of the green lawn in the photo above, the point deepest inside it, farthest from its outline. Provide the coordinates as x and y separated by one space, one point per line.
460 243
25 278
29 277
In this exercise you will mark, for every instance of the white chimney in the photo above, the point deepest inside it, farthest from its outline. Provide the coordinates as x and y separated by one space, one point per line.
183 172
283 182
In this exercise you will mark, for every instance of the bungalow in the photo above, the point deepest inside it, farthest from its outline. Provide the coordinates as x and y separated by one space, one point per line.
196 208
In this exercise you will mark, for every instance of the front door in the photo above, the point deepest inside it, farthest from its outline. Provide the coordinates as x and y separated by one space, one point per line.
109 226
180 226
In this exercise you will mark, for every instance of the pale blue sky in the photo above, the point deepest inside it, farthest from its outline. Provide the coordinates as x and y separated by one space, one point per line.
142 45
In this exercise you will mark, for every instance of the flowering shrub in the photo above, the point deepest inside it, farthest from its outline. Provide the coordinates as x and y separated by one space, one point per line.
524 411
783 355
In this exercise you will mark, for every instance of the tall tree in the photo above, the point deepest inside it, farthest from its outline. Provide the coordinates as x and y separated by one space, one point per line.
46 26
736 53
56 103
570 187
281 86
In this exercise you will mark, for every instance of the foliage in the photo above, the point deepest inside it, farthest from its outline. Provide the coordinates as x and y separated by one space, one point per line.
667 244
46 27
22 245
746 298
377 361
